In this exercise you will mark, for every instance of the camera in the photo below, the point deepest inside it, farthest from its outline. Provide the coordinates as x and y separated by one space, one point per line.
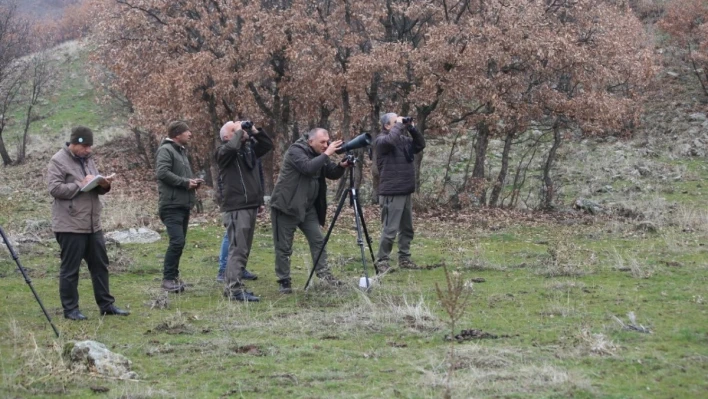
407 119
359 141
246 125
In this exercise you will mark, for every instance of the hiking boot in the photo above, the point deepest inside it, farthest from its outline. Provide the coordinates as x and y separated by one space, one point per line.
242 295
407 264
184 285
383 266
172 286
246 275
285 286
330 280
220 277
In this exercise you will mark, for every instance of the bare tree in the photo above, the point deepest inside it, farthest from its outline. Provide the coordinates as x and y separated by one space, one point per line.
39 77
13 45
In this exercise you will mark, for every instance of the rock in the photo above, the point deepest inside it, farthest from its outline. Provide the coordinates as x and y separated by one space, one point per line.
605 189
134 236
266 201
672 74
5 191
588 206
697 116
94 357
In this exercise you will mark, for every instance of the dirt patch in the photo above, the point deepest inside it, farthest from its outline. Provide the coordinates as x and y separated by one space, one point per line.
475 334
253 350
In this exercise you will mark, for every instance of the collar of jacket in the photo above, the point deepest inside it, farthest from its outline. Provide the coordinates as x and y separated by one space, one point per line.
302 143
168 140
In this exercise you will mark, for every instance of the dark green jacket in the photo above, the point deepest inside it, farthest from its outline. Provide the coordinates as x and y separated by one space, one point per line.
302 168
239 173
173 175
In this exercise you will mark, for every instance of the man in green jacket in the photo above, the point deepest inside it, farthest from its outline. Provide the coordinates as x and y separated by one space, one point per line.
299 200
242 196
177 190
76 222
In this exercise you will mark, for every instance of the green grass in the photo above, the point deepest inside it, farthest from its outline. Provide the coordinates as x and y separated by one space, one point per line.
346 344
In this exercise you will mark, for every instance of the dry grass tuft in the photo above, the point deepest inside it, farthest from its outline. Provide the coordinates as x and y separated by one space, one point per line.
636 268
499 372
176 324
158 299
566 258
597 344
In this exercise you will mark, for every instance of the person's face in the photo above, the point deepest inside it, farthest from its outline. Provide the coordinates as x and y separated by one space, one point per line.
230 131
390 123
80 150
183 138
320 142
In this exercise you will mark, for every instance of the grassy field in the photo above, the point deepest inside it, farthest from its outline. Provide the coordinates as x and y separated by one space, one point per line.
550 294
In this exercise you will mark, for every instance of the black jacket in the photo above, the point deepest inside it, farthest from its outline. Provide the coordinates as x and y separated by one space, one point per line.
302 168
394 158
239 173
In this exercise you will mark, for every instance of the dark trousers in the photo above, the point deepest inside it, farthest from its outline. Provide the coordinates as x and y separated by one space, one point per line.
284 227
176 221
240 226
91 248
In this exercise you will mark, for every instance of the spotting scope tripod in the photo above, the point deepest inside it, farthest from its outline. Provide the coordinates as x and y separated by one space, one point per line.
360 225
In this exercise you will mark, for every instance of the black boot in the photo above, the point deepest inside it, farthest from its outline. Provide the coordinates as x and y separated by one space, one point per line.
285 286
114 311
246 275
74 315
243 296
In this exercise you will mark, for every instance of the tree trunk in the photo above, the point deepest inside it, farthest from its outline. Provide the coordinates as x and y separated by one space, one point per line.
6 160
480 152
375 103
21 154
548 193
501 178
141 148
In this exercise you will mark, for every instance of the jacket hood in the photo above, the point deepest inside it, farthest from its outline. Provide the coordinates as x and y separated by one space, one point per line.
302 143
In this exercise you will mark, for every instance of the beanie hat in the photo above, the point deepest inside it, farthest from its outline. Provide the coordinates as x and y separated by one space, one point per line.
175 128
81 135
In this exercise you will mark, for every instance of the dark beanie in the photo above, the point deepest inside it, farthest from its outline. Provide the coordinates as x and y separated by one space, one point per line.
175 128
81 135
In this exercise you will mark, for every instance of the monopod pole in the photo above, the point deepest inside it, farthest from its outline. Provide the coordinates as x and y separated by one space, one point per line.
27 279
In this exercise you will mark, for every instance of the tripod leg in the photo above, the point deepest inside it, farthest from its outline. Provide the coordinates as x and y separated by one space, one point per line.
358 218
324 243
27 280
368 238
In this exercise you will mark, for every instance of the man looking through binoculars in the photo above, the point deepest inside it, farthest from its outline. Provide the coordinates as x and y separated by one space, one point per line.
395 151
299 200
242 196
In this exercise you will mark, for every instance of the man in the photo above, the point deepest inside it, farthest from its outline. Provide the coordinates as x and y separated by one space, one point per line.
299 200
76 222
242 196
224 252
394 158
177 197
